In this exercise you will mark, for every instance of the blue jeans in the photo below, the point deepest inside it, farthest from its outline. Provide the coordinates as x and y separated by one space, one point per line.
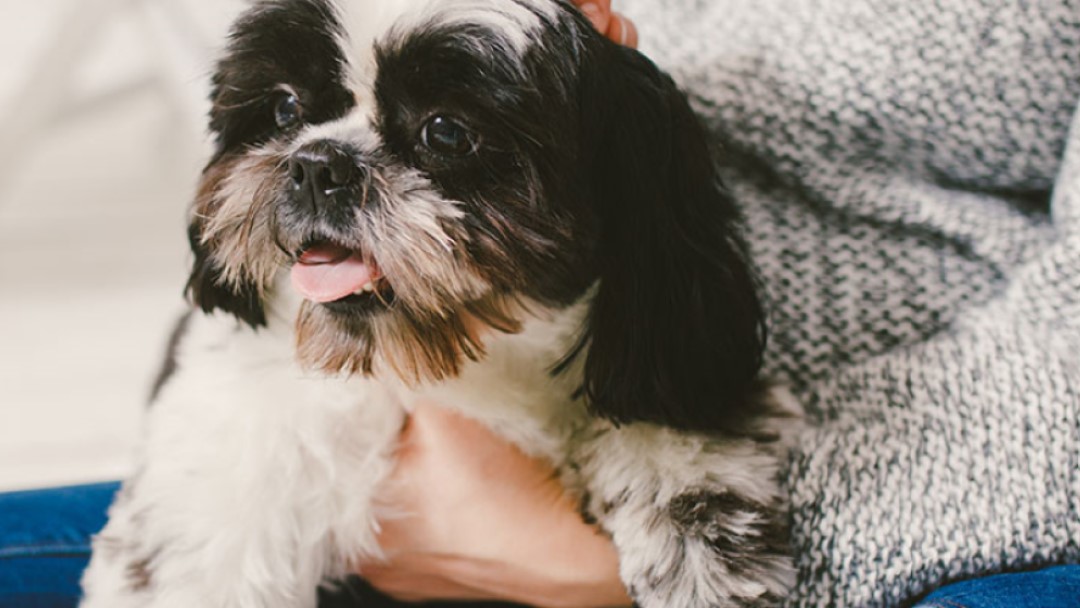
1055 587
45 545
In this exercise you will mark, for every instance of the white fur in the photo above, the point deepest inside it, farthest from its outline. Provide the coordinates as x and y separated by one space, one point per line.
370 23
642 468
259 479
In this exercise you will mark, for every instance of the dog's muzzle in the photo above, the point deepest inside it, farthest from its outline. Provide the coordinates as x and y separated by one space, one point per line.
328 187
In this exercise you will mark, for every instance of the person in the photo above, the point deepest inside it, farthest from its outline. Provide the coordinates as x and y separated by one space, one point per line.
910 179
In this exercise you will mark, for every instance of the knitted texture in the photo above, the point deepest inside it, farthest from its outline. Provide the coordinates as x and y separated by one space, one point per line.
912 195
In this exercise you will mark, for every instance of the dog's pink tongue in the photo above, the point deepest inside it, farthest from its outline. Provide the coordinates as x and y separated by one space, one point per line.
326 273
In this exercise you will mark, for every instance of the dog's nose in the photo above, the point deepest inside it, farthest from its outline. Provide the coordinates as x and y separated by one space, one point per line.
320 172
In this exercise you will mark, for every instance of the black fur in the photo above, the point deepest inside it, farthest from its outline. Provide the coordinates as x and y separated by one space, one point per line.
619 186
592 166
677 331
169 365
209 292
281 41
531 229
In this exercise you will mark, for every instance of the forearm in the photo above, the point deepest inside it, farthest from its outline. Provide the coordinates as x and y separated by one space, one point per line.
575 567
483 521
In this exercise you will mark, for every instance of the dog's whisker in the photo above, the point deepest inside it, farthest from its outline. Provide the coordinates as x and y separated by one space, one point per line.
378 294
248 225
365 190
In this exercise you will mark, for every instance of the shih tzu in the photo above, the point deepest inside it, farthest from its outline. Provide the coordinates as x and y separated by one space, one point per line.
481 202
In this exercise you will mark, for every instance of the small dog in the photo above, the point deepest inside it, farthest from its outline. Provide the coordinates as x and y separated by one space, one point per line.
481 202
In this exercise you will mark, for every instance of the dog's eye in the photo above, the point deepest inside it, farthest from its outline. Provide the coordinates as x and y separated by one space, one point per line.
448 137
287 112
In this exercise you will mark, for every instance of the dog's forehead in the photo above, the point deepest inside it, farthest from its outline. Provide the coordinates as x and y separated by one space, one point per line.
370 24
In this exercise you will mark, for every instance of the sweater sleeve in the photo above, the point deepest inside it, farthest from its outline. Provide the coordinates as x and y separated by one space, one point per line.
912 194
958 456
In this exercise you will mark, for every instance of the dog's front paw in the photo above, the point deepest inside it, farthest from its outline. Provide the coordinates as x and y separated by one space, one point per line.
699 521
703 549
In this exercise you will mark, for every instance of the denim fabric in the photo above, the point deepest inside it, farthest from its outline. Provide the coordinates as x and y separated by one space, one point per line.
1057 587
45 545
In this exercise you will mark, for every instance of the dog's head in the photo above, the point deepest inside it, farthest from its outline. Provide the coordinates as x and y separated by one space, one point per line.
424 167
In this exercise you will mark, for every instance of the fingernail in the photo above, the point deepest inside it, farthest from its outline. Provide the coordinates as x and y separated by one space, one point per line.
594 14
629 35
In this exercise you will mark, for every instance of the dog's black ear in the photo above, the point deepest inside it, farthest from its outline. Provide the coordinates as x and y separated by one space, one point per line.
209 292
676 330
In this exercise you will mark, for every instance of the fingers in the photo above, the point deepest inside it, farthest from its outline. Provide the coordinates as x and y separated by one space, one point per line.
622 30
597 11
611 24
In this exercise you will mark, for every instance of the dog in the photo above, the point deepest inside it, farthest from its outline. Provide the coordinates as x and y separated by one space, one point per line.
486 204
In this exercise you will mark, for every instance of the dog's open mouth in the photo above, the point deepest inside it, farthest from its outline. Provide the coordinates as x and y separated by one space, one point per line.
339 278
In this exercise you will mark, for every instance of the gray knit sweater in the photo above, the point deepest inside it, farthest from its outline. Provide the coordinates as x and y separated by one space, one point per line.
913 199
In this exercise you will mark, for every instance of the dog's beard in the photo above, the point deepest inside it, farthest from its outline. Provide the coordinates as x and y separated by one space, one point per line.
441 307
413 347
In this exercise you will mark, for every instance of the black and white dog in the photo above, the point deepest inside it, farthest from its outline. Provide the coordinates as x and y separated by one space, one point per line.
486 203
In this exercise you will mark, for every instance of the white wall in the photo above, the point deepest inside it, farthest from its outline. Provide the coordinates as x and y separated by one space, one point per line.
92 249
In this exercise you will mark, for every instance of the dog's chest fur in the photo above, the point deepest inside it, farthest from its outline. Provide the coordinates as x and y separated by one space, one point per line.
267 445
255 375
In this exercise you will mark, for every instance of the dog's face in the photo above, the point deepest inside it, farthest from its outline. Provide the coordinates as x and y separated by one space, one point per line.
424 168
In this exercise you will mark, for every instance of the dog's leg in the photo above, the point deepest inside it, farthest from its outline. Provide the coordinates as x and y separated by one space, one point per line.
699 522
256 484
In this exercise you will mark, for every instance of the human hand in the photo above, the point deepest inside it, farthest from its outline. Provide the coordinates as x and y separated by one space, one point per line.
483 521
609 23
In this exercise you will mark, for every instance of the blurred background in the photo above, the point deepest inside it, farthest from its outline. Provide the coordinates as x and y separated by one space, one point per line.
102 133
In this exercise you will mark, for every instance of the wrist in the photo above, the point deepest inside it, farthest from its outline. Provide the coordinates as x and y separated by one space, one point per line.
589 587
